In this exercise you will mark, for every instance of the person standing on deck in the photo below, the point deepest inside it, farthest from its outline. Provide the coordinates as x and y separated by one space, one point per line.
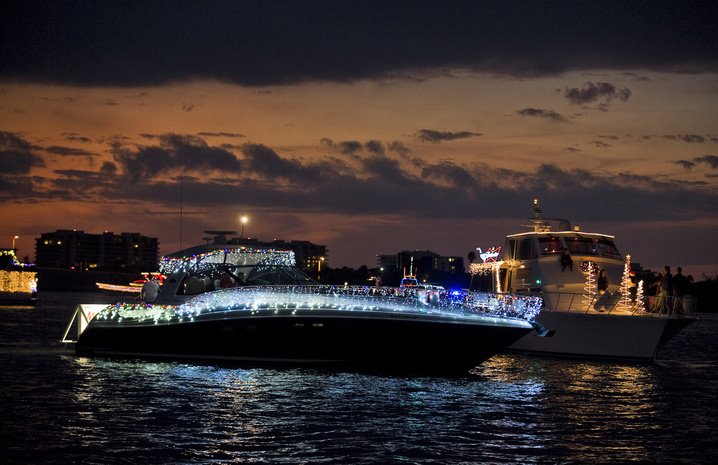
666 289
602 282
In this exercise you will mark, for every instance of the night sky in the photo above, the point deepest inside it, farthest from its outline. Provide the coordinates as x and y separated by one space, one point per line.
370 127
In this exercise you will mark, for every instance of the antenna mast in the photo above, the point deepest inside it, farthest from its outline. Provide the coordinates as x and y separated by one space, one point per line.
180 218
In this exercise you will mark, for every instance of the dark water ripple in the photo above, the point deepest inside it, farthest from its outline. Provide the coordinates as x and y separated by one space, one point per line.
59 409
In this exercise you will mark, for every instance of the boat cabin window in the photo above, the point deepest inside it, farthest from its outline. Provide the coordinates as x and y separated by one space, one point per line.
267 275
526 250
509 251
607 247
580 245
550 245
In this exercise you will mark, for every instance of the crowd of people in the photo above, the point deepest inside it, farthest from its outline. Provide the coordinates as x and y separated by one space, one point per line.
671 292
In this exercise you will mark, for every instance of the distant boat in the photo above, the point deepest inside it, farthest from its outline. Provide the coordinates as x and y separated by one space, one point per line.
18 280
409 280
560 265
233 303
135 286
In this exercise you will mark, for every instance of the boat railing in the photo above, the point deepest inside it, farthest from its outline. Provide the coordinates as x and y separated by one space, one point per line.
430 299
609 303
79 321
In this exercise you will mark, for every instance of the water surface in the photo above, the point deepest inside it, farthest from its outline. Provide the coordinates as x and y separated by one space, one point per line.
59 408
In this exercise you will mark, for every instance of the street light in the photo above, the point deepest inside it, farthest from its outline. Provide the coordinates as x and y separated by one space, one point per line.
243 220
13 241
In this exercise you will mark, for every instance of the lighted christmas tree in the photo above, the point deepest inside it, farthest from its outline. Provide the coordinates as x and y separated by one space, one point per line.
640 304
625 302
590 295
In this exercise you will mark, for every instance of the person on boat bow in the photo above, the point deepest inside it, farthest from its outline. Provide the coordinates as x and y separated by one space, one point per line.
149 290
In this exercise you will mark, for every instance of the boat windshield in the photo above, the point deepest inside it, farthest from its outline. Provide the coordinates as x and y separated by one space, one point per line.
550 245
607 247
580 245
409 281
221 269
222 276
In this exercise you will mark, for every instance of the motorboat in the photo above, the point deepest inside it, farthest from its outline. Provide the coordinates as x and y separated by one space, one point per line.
410 279
563 265
18 280
134 287
236 303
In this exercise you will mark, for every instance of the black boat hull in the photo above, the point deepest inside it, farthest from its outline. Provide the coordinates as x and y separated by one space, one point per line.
376 342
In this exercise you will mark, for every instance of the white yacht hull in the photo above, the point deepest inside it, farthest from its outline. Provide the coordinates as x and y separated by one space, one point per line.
599 335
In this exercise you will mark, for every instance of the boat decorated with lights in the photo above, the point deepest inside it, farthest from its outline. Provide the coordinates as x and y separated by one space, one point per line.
18 280
134 287
563 265
234 303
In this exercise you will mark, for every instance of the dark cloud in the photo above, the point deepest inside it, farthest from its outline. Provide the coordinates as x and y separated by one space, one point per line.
108 169
68 151
18 189
220 134
346 147
375 147
710 160
399 147
431 135
349 147
456 175
447 190
601 92
74 137
384 168
690 138
541 113
174 153
374 184
685 164
17 156
353 147
278 42
265 162
82 175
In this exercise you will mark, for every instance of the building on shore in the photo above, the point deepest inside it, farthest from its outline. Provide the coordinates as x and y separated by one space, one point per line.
425 264
423 260
78 250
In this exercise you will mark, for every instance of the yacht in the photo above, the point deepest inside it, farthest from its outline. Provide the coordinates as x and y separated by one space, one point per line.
18 280
562 265
237 303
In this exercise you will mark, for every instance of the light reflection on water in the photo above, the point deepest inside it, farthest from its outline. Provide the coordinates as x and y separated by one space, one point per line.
58 408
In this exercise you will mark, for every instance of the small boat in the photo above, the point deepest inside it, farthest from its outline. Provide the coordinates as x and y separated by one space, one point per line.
18 280
409 280
134 287
235 303
562 265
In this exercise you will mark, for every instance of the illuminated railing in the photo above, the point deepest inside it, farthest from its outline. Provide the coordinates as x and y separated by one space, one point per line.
611 303
259 299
